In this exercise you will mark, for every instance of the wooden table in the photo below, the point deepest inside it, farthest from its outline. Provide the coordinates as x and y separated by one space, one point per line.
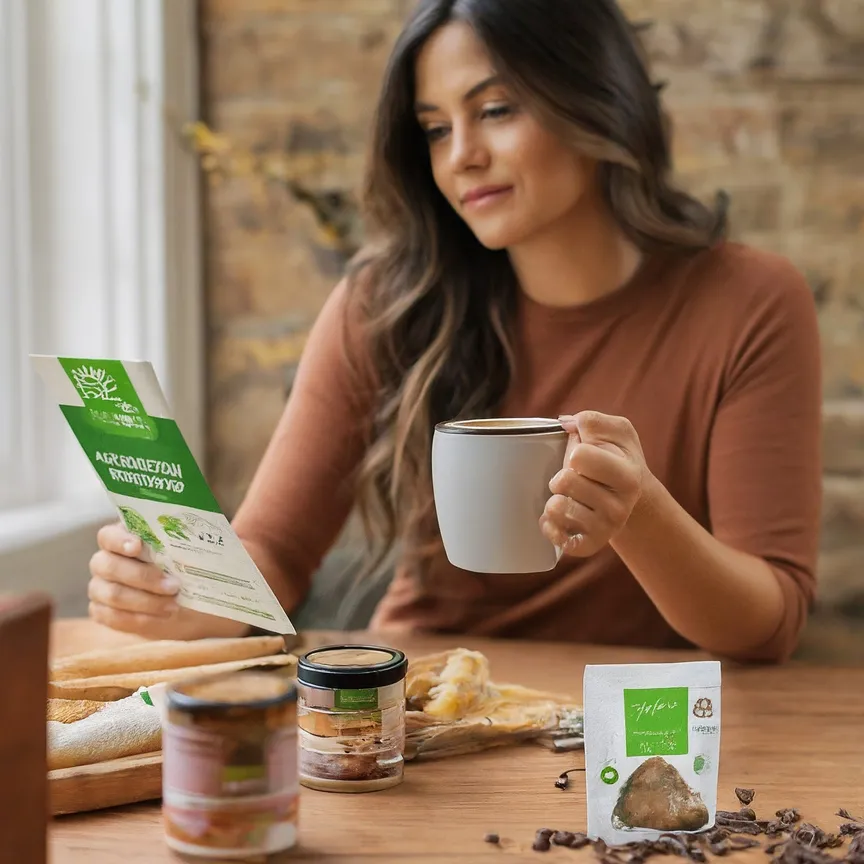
795 734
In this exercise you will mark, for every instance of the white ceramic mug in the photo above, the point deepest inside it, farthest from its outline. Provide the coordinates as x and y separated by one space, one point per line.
491 483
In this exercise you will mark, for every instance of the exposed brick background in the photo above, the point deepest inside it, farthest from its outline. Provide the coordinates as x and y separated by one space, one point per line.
766 98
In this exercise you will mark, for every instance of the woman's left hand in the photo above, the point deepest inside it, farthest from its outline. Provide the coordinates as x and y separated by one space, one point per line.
603 477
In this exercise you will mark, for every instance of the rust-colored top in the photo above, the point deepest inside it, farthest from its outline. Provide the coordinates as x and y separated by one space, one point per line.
716 362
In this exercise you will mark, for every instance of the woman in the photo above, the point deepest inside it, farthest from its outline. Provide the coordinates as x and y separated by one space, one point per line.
530 256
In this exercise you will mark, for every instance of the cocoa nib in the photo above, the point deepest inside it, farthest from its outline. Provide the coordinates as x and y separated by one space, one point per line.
789 816
745 814
542 840
743 842
737 825
794 852
745 796
855 853
579 840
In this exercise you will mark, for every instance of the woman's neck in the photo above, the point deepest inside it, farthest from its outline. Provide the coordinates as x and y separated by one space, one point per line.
578 259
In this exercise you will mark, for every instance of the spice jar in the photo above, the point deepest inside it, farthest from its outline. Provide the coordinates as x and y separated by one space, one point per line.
229 765
351 717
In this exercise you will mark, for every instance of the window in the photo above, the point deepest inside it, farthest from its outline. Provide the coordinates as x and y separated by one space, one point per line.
99 247
17 459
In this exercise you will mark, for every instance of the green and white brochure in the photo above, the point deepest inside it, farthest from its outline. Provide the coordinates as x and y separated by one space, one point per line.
118 412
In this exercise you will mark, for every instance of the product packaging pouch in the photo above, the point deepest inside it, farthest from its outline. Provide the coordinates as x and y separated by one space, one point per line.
652 746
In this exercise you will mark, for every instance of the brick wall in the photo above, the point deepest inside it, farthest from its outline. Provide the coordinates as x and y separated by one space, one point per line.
766 99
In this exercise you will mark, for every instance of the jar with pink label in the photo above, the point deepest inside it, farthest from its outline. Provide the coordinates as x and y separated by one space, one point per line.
229 765
351 717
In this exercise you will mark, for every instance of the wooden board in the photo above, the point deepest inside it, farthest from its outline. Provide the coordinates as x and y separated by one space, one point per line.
106 784
131 779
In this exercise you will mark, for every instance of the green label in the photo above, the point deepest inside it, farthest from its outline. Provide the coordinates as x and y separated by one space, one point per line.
356 699
109 397
243 773
656 721
161 468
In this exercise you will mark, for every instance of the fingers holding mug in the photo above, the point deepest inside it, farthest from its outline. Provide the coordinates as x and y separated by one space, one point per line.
573 527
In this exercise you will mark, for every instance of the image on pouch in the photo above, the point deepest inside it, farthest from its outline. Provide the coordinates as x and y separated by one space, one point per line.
657 797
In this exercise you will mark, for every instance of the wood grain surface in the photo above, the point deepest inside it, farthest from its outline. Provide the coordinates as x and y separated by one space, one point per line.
792 733
106 784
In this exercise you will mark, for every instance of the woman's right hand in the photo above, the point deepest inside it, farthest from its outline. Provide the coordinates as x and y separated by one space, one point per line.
136 597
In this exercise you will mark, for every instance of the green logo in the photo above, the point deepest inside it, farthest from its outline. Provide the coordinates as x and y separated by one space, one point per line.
609 775
656 721
109 396
700 763
354 700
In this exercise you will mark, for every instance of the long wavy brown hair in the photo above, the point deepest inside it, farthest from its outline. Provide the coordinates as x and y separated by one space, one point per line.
438 306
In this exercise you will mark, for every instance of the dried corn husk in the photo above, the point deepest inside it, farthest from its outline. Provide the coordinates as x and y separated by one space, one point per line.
454 708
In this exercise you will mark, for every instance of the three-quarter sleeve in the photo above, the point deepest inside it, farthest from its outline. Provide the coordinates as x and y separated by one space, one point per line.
765 468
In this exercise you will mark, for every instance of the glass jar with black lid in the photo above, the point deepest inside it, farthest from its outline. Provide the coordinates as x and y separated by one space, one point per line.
351 717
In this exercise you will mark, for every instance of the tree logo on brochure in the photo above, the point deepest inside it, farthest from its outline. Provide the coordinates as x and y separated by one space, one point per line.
109 396
93 383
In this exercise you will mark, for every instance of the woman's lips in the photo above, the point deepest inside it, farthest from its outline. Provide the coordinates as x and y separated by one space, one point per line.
483 196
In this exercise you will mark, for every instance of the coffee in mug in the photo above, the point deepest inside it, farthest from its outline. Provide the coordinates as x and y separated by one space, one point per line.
491 483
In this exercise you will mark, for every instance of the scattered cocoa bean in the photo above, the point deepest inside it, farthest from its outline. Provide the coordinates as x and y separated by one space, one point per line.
745 796
789 816
579 840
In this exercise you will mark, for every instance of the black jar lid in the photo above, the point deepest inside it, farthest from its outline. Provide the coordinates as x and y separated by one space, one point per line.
351 667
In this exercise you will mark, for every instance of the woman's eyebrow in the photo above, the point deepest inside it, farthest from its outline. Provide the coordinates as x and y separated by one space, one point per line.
425 107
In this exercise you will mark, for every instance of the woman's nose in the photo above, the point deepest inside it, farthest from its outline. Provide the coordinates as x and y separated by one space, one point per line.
468 150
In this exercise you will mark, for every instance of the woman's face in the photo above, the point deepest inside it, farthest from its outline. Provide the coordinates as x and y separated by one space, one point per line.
507 176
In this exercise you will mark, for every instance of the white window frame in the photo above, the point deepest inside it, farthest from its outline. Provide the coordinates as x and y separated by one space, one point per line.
100 250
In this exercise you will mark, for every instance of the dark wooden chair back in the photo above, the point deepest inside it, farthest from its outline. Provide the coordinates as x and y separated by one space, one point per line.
24 640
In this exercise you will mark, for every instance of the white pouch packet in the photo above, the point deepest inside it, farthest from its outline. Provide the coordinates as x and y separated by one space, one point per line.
652 744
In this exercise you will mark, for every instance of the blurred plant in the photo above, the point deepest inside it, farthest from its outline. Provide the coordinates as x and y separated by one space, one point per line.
336 213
